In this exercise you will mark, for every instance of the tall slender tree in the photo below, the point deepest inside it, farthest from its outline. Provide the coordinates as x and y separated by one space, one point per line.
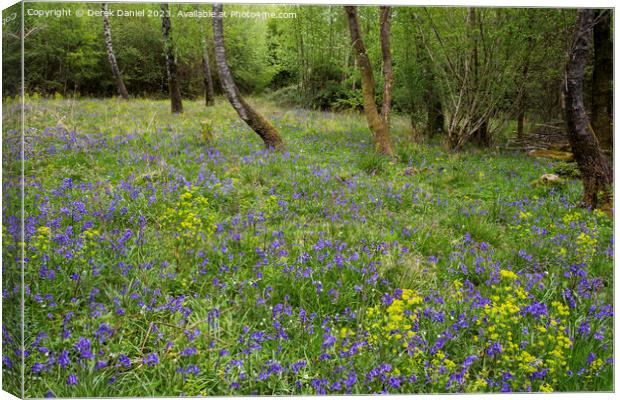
522 97
377 125
208 80
176 103
267 132
434 110
107 37
206 68
602 78
595 169
481 134
385 16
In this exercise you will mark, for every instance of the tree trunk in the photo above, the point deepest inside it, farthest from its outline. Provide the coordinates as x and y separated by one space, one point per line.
521 103
376 124
602 77
107 37
595 169
522 95
388 74
434 109
434 112
257 122
481 134
520 121
176 104
208 80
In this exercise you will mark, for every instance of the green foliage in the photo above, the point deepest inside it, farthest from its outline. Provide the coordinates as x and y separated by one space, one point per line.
310 52
67 54
287 96
568 170
170 247
373 163
11 50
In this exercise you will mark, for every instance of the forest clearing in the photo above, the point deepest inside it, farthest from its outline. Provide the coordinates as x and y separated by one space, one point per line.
244 241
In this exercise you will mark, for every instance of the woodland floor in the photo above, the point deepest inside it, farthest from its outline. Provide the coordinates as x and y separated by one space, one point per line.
158 264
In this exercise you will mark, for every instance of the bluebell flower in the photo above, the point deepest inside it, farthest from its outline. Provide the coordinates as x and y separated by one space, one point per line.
295 367
72 380
63 359
124 360
83 346
151 359
190 351
38 367
494 348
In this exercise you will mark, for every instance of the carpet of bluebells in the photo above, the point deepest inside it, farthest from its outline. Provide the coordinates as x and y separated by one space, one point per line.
159 262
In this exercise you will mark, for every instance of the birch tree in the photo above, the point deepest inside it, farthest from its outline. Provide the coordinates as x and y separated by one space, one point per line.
107 37
267 132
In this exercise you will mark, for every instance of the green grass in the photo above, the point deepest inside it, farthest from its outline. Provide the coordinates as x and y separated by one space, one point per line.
327 226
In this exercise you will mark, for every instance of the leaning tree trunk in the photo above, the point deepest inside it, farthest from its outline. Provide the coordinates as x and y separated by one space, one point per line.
176 104
595 169
376 124
602 78
257 122
388 74
107 36
208 80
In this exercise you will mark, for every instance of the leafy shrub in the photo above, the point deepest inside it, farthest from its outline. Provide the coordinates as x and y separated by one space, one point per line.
407 153
567 170
286 96
372 163
349 100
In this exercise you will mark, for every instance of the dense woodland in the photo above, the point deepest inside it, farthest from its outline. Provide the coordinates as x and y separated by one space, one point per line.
426 182
515 58
465 73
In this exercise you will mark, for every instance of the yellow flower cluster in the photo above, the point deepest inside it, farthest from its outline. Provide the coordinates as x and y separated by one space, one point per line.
271 206
6 237
521 336
570 217
546 343
546 388
586 246
596 366
397 320
191 217
89 247
40 242
507 274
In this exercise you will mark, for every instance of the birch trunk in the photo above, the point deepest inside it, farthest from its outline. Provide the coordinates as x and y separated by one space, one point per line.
257 122
107 36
